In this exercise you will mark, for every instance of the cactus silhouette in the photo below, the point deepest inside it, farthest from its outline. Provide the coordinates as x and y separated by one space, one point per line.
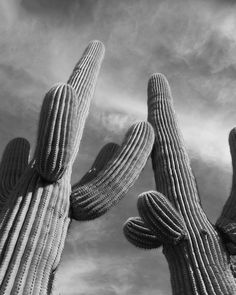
197 252
36 197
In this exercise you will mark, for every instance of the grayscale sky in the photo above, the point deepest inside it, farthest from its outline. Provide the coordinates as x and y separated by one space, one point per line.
192 42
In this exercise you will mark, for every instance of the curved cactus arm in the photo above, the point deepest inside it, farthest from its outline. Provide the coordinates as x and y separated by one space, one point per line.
112 183
83 80
56 135
161 217
138 234
103 157
171 165
14 162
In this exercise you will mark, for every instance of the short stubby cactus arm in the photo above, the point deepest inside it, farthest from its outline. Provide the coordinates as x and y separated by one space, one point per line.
103 157
95 197
161 217
83 80
13 164
137 233
226 224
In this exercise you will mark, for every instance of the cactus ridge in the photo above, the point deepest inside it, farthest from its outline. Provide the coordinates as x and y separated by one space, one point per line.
91 200
198 265
104 156
139 234
14 162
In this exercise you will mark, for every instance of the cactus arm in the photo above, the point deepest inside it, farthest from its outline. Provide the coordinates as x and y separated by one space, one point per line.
14 162
161 217
103 157
83 80
96 197
57 126
138 234
226 223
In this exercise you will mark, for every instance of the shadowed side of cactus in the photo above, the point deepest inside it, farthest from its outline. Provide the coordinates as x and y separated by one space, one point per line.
37 214
14 162
196 253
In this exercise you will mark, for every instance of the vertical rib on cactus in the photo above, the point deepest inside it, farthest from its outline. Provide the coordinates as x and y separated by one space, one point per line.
14 162
94 198
198 264
34 225
103 157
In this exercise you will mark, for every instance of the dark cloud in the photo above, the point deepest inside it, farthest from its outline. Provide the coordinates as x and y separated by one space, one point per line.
84 9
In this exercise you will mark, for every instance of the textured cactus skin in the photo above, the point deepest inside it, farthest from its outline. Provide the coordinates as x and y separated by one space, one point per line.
103 157
198 253
37 201
14 162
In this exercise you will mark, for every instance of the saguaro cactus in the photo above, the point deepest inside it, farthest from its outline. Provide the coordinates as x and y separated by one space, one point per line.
37 202
198 252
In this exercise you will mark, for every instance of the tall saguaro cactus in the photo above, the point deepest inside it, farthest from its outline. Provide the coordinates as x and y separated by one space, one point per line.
36 198
198 253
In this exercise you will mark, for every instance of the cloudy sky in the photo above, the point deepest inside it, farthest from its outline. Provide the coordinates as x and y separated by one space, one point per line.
192 42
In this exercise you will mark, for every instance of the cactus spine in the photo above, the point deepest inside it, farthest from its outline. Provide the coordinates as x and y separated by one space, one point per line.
197 253
38 202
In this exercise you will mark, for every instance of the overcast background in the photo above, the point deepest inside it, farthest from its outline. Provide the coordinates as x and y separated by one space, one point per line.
192 42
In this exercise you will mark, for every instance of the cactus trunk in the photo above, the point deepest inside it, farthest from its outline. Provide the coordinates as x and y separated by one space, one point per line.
33 235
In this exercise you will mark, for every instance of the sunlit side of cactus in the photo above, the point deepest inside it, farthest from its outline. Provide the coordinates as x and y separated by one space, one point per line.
198 253
37 200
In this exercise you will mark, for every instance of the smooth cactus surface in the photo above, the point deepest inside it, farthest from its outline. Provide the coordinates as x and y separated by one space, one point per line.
36 197
198 253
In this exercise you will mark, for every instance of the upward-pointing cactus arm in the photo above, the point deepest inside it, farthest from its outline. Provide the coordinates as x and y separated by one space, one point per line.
64 113
83 80
13 164
95 198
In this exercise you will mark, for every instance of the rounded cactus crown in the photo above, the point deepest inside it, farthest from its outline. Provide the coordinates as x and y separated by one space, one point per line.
57 132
